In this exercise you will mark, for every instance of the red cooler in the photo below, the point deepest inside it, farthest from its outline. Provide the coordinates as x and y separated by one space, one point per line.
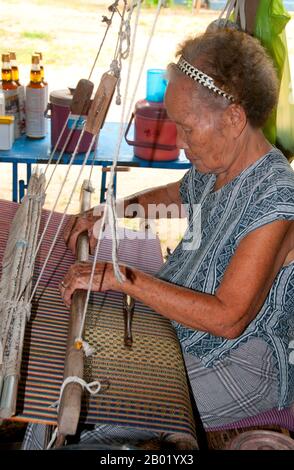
154 133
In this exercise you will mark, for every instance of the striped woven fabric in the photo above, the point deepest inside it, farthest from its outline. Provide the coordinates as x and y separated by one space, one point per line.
144 386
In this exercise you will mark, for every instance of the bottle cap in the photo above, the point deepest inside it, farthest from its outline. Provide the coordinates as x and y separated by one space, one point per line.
6 119
5 57
39 54
35 59
12 55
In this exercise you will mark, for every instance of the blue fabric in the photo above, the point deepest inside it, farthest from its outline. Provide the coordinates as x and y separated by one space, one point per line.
261 194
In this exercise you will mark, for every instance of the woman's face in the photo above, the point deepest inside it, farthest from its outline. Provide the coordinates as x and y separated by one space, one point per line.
201 130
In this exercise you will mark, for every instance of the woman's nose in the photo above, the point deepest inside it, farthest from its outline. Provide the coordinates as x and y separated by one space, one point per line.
181 142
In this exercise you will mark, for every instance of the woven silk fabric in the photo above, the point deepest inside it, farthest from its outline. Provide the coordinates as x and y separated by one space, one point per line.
143 387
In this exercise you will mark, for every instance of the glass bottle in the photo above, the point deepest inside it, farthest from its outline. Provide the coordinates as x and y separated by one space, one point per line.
14 68
41 66
20 91
7 83
43 72
10 91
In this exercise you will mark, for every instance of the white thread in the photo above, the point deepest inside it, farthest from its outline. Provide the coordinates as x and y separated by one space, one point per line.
63 148
238 8
63 217
88 350
53 439
82 383
124 36
110 201
1 353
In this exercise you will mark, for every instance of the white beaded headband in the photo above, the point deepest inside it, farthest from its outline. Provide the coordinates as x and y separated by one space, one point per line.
201 77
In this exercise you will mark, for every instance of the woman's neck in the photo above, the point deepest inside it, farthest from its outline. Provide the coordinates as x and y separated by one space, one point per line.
249 148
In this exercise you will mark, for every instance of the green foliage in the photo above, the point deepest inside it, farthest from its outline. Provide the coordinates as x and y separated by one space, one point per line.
153 3
36 35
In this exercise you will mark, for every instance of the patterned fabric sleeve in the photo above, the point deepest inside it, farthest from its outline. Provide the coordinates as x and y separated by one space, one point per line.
274 203
184 186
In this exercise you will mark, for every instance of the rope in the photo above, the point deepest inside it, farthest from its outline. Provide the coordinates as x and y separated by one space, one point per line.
110 200
63 217
56 145
238 8
85 386
51 214
62 150
123 35
53 439
109 22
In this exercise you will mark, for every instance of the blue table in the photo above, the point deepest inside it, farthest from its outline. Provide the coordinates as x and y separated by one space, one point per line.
28 151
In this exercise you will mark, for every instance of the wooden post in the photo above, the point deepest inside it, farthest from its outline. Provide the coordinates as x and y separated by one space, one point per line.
250 13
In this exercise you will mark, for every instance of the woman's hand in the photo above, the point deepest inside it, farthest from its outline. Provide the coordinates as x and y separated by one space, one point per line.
78 277
81 223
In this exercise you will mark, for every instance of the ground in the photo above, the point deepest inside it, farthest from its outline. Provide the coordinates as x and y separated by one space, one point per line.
69 34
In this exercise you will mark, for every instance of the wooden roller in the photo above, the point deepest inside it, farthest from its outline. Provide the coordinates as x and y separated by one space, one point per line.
70 404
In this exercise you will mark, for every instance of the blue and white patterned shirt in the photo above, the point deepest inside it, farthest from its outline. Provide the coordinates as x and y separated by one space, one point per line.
261 194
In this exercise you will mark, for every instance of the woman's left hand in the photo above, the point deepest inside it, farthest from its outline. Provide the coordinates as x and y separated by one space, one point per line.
78 277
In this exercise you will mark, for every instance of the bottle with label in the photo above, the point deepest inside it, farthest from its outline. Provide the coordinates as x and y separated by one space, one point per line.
20 91
2 103
42 72
9 88
7 83
36 123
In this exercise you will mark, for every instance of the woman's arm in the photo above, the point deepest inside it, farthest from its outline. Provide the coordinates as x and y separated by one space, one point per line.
237 301
142 204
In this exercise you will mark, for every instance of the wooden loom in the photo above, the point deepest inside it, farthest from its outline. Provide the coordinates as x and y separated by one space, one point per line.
152 403
143 387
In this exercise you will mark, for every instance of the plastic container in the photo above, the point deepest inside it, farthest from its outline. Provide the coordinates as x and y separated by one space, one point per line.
154 133
2 103
59 106
36 122
156 85
6 132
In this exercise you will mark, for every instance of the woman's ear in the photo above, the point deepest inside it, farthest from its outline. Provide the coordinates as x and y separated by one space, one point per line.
236 119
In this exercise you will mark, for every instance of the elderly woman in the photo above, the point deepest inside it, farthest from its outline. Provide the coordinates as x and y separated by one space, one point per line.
230 299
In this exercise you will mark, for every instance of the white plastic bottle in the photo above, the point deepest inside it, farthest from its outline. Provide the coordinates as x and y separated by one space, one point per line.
2 103
36 123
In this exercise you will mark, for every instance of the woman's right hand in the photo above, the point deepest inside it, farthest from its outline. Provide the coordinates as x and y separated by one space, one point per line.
78 224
